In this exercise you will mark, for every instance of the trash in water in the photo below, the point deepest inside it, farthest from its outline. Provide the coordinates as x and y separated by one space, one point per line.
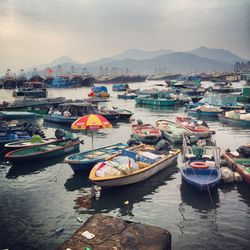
60 230
126 202
79 219
88 235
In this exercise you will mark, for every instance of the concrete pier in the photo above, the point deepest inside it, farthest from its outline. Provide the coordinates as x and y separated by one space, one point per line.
107 232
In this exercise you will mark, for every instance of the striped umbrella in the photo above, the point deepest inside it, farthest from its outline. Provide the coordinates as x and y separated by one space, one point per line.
91 122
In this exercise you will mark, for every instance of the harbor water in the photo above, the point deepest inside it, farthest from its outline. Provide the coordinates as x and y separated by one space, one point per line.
38 199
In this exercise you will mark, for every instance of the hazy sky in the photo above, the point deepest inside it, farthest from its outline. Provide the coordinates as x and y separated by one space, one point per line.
34 32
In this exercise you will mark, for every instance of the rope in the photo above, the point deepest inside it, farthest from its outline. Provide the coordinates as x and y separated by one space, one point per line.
210 196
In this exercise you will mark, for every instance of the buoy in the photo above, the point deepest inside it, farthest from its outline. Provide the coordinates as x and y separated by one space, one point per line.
199 164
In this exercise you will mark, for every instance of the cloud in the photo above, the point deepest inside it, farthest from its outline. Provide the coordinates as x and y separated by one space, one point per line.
34 32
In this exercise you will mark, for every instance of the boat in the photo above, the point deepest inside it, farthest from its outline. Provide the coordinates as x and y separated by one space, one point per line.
39 106
239 161
12 131
11 136
205 110
120 87
223 101
201 170
43 152
224 87
127 96
146 133
99 91
174 132
84 161
245 95
27 143
8 115
236 117
133 165
32 89
67 113
197 128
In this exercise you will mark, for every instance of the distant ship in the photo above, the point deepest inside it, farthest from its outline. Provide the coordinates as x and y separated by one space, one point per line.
121 79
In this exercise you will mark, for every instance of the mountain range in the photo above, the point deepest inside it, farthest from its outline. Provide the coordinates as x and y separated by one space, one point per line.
202 59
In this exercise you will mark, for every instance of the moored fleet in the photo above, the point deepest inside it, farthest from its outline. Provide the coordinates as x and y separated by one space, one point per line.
151 148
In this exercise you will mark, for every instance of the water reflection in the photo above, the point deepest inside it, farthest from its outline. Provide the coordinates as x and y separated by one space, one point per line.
114 198
77 182
243 189
200 201
27 168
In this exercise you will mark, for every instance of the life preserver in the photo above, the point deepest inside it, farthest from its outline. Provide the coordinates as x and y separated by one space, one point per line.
199 164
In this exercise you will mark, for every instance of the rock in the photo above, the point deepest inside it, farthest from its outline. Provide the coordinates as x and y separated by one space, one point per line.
115 233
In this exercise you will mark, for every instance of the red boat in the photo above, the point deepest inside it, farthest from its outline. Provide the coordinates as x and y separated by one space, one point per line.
241 165
196 129
146 133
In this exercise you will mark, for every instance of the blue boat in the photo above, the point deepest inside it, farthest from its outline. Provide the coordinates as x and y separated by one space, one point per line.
12 136
202 171
205 110
119 87
86 160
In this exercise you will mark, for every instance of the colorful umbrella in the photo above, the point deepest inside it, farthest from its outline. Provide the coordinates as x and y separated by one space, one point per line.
91 122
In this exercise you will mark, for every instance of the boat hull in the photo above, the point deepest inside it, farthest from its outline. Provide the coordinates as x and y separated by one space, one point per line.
59 119
203 113
43 155
86 160
138 177
232 164
201 179
156 102
233 121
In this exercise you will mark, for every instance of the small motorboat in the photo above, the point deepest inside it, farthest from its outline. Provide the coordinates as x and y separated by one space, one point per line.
133 165
202 169
43 152
197 128
174 132
120 87
84 161
205 110
146 133
240 161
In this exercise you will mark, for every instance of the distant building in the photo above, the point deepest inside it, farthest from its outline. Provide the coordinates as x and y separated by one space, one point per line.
242 67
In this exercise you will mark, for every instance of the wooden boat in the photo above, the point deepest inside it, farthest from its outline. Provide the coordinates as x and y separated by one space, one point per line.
174 132
8 115
43 152
205 110
33 89
27 143
196 129
201 172
239 163
146 133
84 161
131 166
236 117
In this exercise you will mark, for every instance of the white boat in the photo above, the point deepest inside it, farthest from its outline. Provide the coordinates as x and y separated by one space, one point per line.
147 164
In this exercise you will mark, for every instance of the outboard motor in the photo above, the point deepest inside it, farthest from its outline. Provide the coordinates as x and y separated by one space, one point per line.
162 145
133 142
139 122
59 134
244 151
